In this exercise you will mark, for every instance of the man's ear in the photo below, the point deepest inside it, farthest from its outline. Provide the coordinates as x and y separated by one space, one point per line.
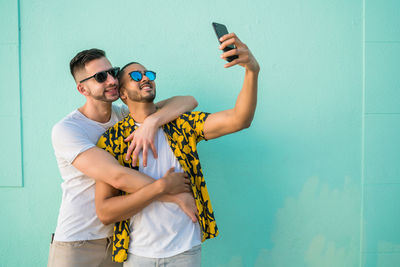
82 89
122 94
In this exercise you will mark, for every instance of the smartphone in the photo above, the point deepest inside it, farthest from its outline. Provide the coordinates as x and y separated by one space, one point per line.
221 30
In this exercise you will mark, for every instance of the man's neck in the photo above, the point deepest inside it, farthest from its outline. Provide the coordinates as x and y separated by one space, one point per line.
97 111
140 111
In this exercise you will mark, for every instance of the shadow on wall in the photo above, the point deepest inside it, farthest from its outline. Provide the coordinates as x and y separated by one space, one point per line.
319 227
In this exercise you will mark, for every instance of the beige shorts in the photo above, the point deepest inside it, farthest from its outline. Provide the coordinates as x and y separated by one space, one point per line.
85 253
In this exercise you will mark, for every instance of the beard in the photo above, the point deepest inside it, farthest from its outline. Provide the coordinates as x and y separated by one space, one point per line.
104 96
138 97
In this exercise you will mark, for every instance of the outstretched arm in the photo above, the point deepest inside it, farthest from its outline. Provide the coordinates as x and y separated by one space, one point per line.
173 107
241 116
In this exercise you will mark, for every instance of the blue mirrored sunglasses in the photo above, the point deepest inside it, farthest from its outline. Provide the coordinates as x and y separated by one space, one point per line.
138 75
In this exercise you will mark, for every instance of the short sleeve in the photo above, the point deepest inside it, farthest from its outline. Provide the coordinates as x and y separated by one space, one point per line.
124 111
69 141
120 110
196 120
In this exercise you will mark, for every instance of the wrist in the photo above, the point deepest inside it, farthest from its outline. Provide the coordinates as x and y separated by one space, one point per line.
253 66
153 120
160 187
254 70
172 198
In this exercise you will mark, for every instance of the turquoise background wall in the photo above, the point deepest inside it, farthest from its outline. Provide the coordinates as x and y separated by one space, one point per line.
315 181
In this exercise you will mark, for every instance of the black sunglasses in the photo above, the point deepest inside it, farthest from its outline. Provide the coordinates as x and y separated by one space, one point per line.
138 75
101 76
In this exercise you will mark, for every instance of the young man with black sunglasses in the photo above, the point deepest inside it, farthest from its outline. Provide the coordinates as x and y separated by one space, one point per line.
148 232
80 238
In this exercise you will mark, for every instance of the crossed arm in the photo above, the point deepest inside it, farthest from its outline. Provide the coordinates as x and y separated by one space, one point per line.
101 166
105 169
112 208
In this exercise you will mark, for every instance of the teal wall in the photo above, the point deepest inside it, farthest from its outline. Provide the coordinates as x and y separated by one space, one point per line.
381 131
315 181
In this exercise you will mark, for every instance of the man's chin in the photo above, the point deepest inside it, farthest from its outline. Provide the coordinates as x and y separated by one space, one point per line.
149 99
111 99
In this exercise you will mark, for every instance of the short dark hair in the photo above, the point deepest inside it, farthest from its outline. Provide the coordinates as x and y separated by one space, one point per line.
122 71
83 57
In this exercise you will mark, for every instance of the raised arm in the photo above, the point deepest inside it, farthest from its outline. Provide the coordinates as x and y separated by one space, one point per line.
168 110
172 108
241 116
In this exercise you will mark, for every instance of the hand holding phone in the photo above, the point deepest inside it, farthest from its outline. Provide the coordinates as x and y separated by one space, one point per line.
221 30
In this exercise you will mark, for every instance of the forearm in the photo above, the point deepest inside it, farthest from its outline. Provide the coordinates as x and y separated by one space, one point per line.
131 181
171 109
102 166
241 116
246 102
118 208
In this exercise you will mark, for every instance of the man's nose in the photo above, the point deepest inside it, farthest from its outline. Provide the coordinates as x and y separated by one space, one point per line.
145 78
111 79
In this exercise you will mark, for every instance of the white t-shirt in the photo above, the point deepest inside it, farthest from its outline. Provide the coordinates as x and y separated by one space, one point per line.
77 219
162 229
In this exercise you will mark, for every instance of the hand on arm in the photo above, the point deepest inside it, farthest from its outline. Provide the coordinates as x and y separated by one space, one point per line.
112 207
143 137
241 116
185 201
104 168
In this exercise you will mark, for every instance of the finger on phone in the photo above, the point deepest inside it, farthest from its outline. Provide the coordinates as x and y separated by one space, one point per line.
232 63
227 36
232 52
230 41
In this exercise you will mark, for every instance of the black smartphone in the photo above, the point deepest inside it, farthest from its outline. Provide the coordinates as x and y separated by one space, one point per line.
221 30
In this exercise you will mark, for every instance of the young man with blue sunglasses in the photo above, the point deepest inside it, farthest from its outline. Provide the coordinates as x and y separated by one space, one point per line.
148 232
80 238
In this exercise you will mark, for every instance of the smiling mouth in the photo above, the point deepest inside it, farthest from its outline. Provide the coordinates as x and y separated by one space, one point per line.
112 90
146 86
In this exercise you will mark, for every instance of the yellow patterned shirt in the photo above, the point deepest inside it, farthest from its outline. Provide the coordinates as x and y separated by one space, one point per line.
183 134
